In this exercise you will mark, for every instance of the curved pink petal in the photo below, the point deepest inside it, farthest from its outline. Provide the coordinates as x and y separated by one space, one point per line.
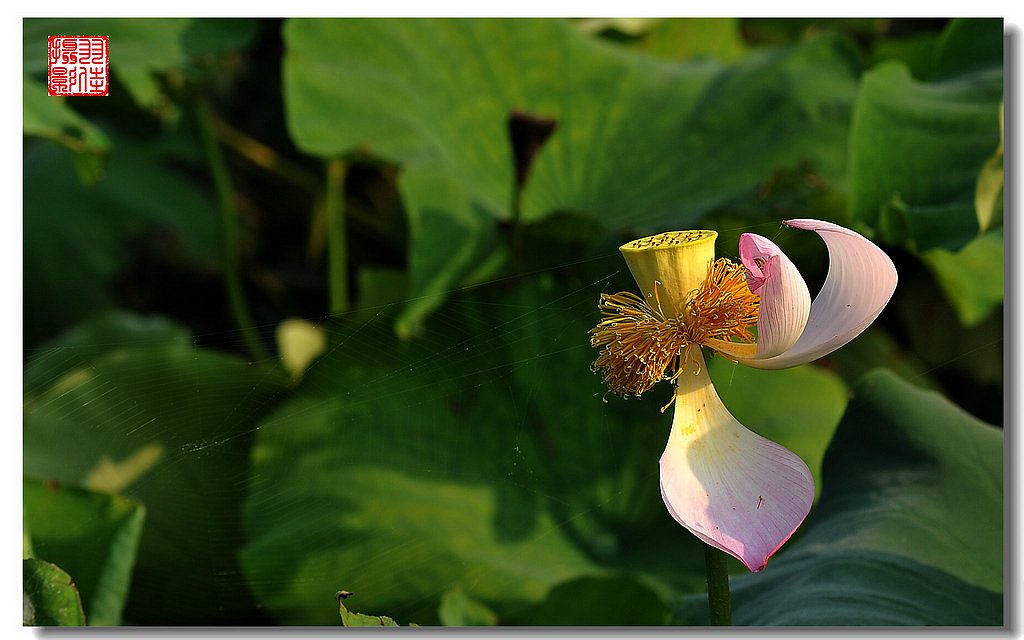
730 487
785 300
861 279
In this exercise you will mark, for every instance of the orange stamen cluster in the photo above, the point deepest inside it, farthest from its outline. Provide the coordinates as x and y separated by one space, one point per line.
639 342
723 307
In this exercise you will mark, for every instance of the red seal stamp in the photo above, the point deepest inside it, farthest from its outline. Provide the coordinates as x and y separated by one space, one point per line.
78 66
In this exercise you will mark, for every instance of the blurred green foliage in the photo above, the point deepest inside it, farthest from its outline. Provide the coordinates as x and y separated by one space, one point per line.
443 449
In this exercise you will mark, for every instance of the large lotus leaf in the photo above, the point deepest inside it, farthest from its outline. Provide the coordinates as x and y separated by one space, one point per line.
853 588
93 536
140 47
909 528
482 459
920 145
638 141
50 596
653 145
80 237
170 425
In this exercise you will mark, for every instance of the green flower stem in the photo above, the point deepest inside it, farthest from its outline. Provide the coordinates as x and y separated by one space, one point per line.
337 254
229 230
719 605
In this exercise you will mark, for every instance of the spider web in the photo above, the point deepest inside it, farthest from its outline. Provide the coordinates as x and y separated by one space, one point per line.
483 457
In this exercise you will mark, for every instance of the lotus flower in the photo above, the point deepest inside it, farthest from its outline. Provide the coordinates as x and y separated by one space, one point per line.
730 487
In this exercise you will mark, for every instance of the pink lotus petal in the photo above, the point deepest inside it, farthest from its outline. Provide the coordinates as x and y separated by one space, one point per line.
730 487
860 281
785 300
754 250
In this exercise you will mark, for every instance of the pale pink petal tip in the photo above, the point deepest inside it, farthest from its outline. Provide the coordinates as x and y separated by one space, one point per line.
749 514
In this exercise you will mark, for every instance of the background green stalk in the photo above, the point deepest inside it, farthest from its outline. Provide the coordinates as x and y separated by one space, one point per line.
337 254
229 230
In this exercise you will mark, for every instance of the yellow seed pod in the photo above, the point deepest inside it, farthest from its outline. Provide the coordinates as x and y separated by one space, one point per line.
668 266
